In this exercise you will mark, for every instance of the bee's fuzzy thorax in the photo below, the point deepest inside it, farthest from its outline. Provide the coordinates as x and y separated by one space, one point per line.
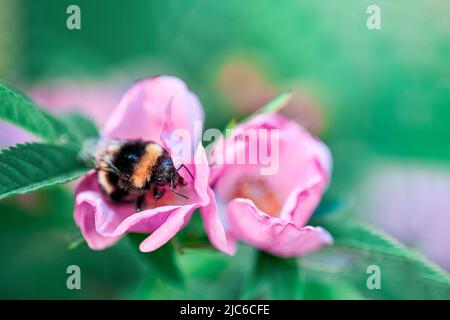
144 166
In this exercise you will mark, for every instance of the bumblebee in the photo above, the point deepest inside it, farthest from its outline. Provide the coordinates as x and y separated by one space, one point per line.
129 169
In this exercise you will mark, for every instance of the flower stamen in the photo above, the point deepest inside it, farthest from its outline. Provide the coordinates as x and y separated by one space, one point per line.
258 190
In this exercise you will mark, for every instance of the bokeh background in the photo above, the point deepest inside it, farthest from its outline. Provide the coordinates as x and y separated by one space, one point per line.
379 98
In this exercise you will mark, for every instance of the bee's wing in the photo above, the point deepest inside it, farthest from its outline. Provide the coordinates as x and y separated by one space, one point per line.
88 152
99 152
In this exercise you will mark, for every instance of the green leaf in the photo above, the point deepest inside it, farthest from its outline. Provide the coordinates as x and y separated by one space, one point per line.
161 261
334 290
230 126
75 244
20 111
273 278
81 127
361 236
32 166
406 274
276 104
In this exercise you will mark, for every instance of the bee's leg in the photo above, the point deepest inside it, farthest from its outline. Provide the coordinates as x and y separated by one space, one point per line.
172 188
181 181
158 192
139 202
186 168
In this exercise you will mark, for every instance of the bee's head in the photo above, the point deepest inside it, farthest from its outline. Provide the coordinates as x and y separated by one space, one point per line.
165 172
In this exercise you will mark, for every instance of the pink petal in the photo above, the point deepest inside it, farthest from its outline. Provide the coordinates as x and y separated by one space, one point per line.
201 184
302 201
215 229
276 236
141 113
90 205
85 220
176 220
302 156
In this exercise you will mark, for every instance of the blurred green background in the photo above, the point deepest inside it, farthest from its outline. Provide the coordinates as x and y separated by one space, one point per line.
379 98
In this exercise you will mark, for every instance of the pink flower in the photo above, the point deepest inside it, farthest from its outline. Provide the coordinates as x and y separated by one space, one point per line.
270 211
151 110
